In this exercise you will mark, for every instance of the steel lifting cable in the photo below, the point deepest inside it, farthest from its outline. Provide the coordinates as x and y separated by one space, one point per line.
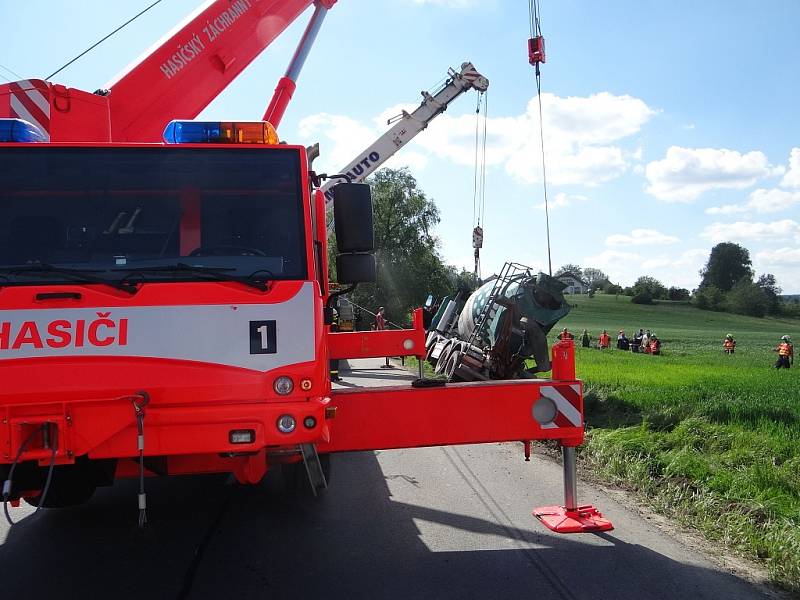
479 180
140 400
475 215
482 211
96 44
536 31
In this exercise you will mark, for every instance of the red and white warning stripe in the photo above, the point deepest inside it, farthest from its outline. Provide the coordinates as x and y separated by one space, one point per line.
30 100
567 398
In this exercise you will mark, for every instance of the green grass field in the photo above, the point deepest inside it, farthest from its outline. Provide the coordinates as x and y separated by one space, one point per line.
710 439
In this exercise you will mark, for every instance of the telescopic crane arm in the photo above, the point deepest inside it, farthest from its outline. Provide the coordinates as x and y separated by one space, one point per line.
407 126
193 64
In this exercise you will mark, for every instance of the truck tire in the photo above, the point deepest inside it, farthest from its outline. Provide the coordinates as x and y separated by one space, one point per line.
72 485
451 367
292 478
441 362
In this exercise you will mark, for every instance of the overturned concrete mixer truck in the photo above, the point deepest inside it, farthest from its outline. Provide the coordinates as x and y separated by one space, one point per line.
499 328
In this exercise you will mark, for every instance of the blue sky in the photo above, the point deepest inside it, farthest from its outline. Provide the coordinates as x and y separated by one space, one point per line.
669 127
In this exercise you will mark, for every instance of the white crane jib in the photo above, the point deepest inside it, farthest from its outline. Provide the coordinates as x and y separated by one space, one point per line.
406 126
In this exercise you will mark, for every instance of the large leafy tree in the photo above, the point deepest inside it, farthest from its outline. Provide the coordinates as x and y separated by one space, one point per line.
727 264
594 277
409 266
647 288
772 291
569 269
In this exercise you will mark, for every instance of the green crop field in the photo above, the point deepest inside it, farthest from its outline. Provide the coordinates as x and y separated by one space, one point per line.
710 439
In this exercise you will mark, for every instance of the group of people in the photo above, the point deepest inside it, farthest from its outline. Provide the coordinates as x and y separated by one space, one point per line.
645 341
785 350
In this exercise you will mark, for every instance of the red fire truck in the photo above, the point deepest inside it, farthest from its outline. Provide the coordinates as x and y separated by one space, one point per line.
164 295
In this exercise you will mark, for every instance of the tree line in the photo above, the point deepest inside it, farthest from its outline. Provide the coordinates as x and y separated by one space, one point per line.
410 265
728 284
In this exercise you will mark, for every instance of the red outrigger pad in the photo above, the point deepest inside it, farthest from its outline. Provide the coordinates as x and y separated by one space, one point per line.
584 519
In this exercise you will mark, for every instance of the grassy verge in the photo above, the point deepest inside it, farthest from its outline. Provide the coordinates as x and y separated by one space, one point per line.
709 439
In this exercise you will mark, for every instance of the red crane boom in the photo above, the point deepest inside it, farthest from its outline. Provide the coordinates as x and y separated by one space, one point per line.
177 78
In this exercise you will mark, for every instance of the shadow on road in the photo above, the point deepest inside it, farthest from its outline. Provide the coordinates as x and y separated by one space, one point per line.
208 539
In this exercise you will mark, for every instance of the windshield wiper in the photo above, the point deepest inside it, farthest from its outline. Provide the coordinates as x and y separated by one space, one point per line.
79 275
215 273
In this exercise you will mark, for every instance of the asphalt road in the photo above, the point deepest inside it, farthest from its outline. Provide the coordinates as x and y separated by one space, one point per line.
426 523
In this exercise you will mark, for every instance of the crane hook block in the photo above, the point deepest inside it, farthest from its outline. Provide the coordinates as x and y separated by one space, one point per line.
536 50
477 237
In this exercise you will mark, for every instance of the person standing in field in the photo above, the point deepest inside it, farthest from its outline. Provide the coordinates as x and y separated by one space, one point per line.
380 325
655 345
604 341
622 341
729 345
636 342
785 352
565 335
585 339
646 340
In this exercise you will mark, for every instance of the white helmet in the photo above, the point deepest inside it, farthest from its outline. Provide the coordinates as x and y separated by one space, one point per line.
785 338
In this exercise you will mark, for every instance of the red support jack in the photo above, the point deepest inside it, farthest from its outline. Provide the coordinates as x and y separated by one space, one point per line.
572 518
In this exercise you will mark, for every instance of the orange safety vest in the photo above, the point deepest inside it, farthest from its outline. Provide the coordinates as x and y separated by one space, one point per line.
729 344
785 349
566 335
605 340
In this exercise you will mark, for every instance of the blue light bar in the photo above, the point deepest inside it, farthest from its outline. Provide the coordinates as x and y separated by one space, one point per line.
220 132
18 130
192 132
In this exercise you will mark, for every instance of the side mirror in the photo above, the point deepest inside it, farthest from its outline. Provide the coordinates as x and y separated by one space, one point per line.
355 268
352 214
355 236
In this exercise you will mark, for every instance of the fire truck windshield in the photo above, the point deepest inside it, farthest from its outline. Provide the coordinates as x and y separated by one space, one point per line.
150 214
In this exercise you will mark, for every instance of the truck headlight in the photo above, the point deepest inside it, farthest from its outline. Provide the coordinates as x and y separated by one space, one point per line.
286 423
283 385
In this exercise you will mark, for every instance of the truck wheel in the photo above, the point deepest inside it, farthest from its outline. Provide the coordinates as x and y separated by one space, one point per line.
452 364
71 486
441 362
294 479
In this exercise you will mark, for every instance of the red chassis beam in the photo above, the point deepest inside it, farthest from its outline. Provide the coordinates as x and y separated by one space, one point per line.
458 413
375 344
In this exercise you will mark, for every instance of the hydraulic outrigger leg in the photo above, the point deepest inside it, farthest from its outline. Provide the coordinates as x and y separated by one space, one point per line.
572 518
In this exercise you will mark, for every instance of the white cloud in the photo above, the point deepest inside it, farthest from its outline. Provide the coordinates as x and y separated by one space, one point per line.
671 269
685 173
344 138
784 263
641 237
781 256
622 265
792 177
581 134
760 201
726 209
562 200
783 230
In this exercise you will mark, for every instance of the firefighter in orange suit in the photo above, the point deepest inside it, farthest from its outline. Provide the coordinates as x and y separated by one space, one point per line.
565 335
785 352
729 345
604 341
